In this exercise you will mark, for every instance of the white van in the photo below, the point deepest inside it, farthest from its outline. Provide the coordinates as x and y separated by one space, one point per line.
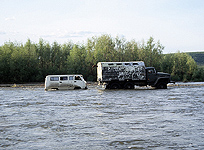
65 82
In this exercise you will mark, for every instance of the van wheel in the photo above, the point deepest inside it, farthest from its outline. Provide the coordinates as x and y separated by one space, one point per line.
129 86
115 86
77 88
162 85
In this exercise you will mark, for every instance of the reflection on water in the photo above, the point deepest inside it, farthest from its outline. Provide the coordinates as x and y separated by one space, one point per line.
31 118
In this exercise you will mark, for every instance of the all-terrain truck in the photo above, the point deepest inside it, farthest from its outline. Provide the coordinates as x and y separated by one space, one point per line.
127 75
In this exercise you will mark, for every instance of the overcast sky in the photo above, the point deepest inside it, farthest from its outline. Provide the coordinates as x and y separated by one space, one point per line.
177 24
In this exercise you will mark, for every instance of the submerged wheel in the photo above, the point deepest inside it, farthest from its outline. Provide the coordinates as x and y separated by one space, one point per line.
115 86
162 85
129 86
77 87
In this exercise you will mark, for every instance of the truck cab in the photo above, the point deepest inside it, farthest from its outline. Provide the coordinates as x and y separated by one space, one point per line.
157 79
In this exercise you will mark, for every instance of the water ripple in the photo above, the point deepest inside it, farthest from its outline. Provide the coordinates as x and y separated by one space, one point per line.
102 119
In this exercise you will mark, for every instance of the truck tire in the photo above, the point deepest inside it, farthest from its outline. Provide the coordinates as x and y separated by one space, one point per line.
161 85
115 86
129 86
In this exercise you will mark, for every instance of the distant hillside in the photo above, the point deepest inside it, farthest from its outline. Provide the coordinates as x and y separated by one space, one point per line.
198 57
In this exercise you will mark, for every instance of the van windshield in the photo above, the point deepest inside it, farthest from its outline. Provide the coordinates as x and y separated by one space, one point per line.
77 78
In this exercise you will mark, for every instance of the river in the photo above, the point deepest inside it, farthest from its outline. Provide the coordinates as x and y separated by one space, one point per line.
145 118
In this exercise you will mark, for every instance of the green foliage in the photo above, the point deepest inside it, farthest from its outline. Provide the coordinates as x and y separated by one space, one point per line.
76 60
32 62
198 75
167 63
150 53
198 57
181 66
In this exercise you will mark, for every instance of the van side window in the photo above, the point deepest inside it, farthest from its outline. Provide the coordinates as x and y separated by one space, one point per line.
54 78
77 78
63 78
71 77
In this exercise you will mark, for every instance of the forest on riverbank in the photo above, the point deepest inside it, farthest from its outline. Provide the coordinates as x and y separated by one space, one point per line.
198 57
31 62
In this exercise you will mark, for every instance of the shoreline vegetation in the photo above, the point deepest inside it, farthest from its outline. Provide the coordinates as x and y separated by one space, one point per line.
32 62
89 84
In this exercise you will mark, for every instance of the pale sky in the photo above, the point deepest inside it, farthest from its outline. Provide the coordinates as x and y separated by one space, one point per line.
177 24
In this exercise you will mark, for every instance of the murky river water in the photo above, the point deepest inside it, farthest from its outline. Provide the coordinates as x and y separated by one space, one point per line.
31 118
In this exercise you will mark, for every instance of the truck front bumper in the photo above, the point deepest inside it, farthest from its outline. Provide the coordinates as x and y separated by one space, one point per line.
172 82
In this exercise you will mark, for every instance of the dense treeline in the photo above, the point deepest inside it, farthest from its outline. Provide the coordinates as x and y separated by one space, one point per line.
31 62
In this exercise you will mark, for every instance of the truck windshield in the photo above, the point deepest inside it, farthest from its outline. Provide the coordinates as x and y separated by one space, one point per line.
152 70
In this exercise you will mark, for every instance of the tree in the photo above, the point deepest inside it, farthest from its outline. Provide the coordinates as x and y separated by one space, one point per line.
151 53
21 63
121 48
32 61
65 52
167 63
5 58
198 75
131 51
55 57
76 60
183 67
90 60
104 48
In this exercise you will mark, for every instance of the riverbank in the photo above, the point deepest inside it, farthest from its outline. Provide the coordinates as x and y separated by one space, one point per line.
90 84
36 84
187 84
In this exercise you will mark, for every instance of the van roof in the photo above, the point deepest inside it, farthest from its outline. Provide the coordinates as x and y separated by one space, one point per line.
65 75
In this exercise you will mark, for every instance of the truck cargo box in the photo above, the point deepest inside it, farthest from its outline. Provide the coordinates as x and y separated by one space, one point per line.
110 71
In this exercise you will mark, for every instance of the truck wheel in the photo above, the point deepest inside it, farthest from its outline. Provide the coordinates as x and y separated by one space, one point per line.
162 85
115 86
107 86
129 86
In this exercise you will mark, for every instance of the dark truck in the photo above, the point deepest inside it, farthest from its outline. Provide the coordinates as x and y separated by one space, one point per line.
125 75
